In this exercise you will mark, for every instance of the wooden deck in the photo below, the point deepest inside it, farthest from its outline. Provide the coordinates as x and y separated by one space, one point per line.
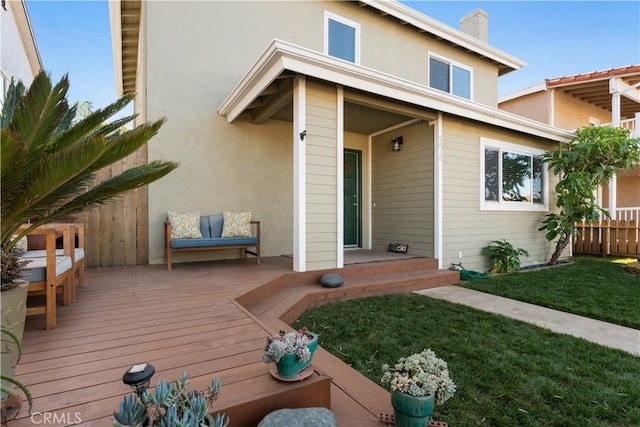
210 320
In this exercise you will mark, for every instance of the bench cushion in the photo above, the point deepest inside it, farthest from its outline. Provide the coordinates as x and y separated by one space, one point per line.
78 253
36 271
221 241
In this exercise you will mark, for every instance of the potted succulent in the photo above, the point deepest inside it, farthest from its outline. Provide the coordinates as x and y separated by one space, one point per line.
417 382
171 404
290 351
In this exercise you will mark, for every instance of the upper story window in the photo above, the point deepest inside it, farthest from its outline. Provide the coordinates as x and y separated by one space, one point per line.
341 38
513 177
449 76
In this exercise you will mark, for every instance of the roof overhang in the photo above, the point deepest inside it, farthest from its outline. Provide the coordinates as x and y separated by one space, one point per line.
19 9
594 88
408 16
282 57
124 17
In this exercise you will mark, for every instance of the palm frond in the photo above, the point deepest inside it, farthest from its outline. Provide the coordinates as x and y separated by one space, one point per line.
120 146
38 113
12 168
14 93
89 125
128 180
53 171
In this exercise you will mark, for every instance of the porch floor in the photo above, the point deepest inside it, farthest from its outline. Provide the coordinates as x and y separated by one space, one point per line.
184 320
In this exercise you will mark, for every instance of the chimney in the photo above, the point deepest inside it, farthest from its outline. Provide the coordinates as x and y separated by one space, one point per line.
476 24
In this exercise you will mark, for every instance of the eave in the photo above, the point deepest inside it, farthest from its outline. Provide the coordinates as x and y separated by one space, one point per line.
125 34
425 24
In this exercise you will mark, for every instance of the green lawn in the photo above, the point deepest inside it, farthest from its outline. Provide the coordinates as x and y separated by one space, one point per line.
508 373
593 287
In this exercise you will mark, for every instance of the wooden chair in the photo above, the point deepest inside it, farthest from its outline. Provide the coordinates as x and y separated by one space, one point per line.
49 273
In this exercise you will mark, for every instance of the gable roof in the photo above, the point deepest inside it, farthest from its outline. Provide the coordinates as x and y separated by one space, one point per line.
125 32
591 87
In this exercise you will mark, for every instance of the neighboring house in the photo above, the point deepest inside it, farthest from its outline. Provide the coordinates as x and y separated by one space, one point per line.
19 56
296 113
608 97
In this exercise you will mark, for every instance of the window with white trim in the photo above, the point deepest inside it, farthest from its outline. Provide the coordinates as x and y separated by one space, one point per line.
449 76
341 37
513 177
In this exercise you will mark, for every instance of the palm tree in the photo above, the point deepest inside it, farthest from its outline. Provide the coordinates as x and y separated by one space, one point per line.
49 161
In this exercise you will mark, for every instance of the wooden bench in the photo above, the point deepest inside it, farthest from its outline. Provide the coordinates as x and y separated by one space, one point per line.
212 241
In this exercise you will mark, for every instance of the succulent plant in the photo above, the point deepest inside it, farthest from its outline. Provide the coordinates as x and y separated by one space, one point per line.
12 267
171 405
420 374
277 346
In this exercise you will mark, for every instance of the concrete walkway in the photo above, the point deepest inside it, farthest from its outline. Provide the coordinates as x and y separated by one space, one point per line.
596 331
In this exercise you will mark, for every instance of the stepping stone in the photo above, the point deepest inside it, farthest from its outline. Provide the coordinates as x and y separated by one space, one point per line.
331 280
303 417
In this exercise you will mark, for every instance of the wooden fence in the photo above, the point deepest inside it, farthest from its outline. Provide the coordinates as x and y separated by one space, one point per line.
616 238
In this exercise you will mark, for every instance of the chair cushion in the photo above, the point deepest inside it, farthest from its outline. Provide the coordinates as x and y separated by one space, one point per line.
236 224
40 253
78 254
36 270
184 225
220 241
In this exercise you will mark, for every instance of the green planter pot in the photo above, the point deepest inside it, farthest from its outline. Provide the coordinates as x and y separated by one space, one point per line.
289 366
411 411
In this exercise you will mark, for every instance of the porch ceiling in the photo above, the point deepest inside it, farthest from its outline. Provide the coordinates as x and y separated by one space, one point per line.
358 118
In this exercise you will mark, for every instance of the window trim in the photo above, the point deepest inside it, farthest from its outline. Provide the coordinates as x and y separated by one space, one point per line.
355 25
451 63
488 205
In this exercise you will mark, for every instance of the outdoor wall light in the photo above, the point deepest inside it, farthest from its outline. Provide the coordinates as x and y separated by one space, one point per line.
396 143
138 377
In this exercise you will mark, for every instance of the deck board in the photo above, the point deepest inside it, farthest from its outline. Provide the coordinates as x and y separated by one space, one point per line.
186 319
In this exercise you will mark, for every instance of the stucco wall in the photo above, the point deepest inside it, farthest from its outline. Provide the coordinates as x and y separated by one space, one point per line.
196 52
535 106
402 190
572 113
468 229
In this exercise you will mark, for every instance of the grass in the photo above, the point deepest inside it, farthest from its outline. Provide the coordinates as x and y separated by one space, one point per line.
593 287
508 373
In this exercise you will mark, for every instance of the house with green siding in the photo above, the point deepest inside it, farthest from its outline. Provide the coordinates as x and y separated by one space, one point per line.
338 125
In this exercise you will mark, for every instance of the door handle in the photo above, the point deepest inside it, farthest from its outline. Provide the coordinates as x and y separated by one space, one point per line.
355 201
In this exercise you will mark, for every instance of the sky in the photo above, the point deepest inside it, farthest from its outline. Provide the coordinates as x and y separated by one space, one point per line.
554 38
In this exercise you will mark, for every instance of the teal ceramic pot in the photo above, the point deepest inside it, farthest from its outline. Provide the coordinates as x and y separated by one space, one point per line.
411 411
289 366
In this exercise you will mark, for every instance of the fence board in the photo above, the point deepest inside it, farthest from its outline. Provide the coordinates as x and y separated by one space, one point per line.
619 238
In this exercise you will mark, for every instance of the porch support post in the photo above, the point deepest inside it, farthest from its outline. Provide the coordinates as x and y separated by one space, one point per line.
437 197
615 122
299 174
340 176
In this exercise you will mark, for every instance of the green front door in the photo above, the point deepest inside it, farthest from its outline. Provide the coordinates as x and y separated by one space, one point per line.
352 198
